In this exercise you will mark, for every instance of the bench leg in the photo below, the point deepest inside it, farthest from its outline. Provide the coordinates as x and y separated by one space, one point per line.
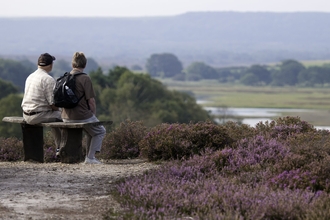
33 142
71 145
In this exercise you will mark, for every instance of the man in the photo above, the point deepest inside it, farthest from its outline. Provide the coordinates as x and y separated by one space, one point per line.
86 109
37 101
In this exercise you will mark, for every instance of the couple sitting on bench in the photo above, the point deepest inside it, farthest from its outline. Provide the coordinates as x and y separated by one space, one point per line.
38 104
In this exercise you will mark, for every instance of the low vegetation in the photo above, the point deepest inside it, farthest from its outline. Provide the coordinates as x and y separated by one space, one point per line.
276 170
218 94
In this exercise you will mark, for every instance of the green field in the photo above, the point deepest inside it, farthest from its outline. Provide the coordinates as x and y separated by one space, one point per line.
315 62
224 95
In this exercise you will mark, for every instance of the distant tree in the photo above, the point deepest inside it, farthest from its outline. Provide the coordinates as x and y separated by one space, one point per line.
223 74
99 79
15 72
136 67
139 97
28 64
10 106
202 70
163 65
288 73
326 74
92 65
314 75
115 74
7 88
179 77
106 99
193 77
261 72
249 79
60 67
105 86
310 77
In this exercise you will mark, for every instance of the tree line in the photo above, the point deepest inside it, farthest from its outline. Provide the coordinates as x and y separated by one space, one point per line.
287 73
120 95
125 94
166 65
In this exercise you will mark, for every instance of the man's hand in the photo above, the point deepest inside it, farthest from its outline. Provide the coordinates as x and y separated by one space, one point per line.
54 108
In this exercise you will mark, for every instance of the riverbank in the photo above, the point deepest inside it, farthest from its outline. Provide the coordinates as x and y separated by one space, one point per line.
251 116
313 104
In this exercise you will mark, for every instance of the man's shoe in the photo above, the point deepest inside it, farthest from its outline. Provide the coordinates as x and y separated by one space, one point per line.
92 161
57 155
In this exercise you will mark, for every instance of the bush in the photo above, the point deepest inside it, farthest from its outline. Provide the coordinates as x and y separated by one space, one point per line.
239 131
195 189
11 149
283 127
178 141
253 154
309 157
278 170
123 142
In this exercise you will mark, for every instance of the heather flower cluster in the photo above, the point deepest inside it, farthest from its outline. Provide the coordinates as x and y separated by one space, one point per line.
294 179
11 149
195 189
253 154
278 170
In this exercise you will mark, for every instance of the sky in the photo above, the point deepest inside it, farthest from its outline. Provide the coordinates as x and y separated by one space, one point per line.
141 8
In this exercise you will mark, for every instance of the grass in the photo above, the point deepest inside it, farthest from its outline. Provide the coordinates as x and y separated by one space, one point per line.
308 63
239 96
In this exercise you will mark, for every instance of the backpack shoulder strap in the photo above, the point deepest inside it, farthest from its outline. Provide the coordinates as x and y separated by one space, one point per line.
76 74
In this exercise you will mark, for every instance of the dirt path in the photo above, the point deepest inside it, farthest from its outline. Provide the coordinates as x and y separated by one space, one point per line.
61 191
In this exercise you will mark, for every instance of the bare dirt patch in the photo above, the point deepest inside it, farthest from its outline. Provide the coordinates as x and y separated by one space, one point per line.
61 191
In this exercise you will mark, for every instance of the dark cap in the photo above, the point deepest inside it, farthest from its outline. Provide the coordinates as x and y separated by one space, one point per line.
45 59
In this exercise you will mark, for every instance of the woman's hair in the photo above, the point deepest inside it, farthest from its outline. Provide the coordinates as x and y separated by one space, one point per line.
79 60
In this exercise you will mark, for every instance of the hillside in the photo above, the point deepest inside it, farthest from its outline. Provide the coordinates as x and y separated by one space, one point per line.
217 38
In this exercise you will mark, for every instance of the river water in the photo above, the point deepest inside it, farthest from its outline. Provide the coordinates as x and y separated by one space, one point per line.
252 116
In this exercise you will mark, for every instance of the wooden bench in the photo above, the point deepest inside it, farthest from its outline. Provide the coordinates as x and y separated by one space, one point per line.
71 139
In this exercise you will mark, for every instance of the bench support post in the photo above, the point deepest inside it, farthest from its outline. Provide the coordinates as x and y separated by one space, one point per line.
71 145
33 141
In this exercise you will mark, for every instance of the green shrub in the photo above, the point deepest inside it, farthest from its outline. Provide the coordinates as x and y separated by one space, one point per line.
123 142
177 141
283 127
239 131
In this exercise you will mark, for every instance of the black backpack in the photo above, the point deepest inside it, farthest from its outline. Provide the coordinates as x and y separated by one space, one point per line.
64 91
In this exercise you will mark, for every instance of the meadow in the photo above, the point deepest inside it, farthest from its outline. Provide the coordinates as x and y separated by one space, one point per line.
215 94
219 95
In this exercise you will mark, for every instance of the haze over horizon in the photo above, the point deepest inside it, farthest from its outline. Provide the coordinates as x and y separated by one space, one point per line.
140 8
218 39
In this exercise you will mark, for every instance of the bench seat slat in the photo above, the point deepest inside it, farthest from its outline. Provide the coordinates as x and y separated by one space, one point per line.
20 120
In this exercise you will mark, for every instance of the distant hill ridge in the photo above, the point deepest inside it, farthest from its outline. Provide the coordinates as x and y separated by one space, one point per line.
217 38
